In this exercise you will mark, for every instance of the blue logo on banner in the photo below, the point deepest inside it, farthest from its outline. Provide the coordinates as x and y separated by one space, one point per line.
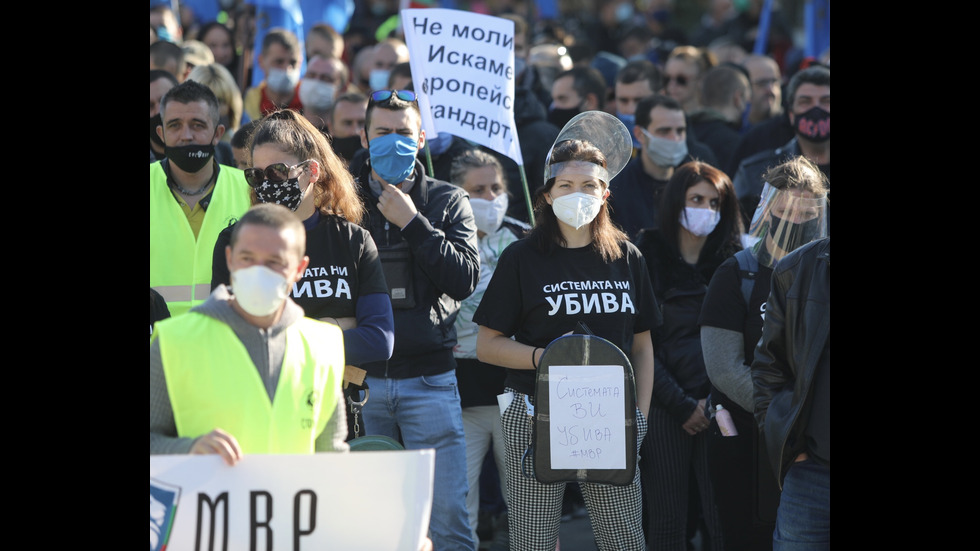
163 509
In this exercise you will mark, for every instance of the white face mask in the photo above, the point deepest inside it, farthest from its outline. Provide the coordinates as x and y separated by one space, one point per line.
700 222
489 214
316 94
664 152
259 290
576 209
282 82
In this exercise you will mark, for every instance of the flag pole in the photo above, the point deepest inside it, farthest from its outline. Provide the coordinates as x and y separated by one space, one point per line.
428 159
527 195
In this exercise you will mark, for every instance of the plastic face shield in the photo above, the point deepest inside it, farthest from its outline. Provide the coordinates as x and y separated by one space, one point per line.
603 130
785 220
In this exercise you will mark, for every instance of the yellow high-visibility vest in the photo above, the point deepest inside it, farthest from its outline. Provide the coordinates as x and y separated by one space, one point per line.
213 383
180 266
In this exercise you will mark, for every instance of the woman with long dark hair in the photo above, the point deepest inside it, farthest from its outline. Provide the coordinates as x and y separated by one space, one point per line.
700 226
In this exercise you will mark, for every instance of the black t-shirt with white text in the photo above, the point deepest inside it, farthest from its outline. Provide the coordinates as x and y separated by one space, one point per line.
537 298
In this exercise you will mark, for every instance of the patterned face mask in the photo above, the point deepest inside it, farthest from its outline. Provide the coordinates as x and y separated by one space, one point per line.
285 193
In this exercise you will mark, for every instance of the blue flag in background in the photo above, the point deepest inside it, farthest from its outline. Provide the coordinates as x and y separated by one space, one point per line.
297 16
816 21
270 14
205 11
547 9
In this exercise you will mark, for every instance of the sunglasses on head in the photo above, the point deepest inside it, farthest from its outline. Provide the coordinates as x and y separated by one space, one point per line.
385 95
680 79
276 173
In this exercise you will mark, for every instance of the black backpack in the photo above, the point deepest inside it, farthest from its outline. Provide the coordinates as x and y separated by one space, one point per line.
748 268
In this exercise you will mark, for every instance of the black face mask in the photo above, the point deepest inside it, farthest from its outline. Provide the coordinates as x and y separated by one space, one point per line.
155 121
799 235
813 125
346 147
560 117
190 158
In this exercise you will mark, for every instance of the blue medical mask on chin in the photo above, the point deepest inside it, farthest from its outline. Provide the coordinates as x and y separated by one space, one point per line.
393 157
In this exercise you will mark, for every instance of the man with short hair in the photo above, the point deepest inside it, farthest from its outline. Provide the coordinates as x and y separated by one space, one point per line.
345 122
809 115
767 92
323 40
167 56
574 91
192 197
280 60
716 123
204 365
636 80
766 125
426 236
661 129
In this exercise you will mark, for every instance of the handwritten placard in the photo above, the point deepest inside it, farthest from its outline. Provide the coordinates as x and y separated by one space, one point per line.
587 410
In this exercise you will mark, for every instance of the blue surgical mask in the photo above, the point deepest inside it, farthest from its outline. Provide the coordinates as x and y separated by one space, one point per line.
629 121
393 157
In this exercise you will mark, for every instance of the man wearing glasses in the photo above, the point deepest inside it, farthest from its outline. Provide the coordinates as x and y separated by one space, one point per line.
426 237
192 197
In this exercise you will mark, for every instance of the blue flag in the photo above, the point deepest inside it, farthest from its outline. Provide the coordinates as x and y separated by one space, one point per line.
816 21
296 16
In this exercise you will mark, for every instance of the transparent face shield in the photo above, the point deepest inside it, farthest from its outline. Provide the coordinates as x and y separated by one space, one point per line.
785 220
603 130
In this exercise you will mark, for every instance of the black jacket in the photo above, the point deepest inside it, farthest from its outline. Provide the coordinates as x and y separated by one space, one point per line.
441 266
794 337
720 135
679 376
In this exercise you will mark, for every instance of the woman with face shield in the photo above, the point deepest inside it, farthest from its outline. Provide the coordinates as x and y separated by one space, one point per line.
792 212
537 294
700 227
293 164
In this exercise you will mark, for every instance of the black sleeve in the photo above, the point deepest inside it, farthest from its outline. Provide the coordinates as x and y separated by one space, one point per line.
724 307
219 265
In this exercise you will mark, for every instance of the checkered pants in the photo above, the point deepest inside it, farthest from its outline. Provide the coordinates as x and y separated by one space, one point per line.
534 509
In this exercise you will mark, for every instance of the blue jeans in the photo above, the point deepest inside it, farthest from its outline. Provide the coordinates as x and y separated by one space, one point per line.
424 412
803 517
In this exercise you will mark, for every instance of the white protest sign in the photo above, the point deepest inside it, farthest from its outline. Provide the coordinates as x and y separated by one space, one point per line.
587 411
463 69
358 500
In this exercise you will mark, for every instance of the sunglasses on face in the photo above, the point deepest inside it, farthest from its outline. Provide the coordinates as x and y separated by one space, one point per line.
276 173
385 95
680 79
